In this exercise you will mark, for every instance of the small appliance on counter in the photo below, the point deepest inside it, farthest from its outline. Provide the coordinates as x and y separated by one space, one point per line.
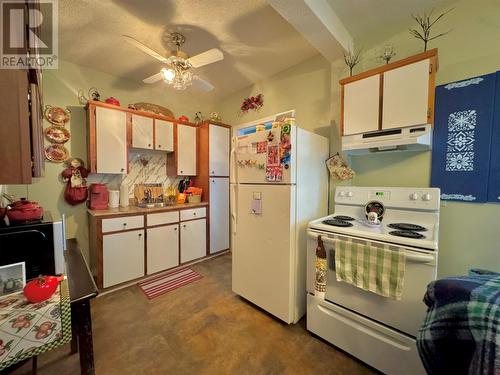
40 244
114 198
99 197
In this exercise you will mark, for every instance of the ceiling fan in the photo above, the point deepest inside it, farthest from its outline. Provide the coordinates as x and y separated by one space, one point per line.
178 69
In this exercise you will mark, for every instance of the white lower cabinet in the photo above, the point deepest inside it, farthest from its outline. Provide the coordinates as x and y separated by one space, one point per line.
193 239
163 248
219 214
123 257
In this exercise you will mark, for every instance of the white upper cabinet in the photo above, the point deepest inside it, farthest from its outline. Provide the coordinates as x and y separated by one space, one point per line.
406 95
218 150
111 141
142 132
361 105
164 135
186 150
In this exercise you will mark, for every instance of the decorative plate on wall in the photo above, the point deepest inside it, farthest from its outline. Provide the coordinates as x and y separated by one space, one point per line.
56 153
57 134
56 115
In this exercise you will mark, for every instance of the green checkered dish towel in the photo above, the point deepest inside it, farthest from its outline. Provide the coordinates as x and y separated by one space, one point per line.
377 269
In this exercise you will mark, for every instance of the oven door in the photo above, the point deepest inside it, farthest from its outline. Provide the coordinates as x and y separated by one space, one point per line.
405 315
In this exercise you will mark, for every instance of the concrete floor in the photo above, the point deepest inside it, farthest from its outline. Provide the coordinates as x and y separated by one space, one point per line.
201 328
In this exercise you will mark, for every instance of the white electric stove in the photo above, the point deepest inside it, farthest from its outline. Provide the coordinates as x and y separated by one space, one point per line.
377 330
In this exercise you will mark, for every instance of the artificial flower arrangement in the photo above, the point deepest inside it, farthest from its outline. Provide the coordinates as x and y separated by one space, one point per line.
252 102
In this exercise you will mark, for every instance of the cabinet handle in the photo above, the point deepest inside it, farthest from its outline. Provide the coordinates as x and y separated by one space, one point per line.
184 225
159 146
149 144
194 213
121 170
175 228
124 224
182 172
140 234
213 172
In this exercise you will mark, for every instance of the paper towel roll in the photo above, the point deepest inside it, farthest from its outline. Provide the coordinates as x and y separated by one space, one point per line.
114 198
124 198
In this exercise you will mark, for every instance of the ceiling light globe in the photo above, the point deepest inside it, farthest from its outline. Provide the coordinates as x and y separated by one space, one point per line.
168 74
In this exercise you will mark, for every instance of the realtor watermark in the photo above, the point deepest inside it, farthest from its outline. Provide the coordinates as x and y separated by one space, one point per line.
29 37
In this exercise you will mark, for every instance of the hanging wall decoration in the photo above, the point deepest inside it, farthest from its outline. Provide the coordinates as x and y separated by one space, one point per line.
57 134
462 137
252 103
74 175
56 115
425 22
339 169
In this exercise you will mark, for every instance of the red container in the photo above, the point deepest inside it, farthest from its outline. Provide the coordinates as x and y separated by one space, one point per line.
99 197
24 211
113 101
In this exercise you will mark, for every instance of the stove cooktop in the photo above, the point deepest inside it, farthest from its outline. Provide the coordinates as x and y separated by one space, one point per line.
337 222
407 227
406 233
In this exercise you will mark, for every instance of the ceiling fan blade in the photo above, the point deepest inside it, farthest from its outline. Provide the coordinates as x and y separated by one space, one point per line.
144 48
154 78
202 84
207 57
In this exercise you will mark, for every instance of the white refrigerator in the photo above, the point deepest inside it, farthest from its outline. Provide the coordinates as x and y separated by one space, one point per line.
279 182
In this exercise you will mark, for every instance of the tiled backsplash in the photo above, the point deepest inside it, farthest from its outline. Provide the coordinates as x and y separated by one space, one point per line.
144 167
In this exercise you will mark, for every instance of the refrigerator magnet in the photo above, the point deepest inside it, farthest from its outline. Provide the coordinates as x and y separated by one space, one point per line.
261 147
273 157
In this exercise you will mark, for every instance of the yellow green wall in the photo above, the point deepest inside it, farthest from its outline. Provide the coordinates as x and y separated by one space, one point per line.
60 88
467 231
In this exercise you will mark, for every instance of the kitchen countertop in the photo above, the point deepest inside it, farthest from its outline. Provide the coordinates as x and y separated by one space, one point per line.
131 210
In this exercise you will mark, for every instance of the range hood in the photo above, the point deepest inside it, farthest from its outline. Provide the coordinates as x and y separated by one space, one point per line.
411 138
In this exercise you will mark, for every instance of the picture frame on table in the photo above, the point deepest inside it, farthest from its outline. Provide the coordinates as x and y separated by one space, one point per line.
12 278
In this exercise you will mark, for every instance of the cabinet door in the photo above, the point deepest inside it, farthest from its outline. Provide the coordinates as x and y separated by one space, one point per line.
123 257
142 132
218 150
219 214
111 141
361 105
406 95
164 135
186 150
163 248
193 240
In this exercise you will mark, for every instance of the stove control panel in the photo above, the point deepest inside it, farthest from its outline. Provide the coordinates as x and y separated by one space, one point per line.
396 197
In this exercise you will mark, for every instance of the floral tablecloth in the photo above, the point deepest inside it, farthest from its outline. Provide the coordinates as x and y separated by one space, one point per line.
29 329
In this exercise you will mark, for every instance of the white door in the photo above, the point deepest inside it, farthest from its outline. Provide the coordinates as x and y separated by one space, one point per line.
263 248
193 240
163 248
219 214
186 150
218 150
406 95
142 132
164 135
361 105
111 141
123 257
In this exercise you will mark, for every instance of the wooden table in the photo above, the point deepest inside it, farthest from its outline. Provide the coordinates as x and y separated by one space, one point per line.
81 290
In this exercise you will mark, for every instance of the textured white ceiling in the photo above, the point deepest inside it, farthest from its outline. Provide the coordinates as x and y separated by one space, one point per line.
255 40
372 21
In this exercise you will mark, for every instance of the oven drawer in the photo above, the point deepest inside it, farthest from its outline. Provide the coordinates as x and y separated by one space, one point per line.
385 349
122 223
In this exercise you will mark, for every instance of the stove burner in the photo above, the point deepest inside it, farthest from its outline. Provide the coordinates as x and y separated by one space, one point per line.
407 227
343 218
337 223
407 234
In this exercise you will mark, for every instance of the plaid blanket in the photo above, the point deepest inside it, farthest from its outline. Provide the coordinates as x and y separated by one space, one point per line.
461 332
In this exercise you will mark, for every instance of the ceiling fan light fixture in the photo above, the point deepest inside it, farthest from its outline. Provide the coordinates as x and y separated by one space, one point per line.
168 74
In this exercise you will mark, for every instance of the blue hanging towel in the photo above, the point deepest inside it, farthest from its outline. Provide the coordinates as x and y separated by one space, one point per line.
462 137
494 185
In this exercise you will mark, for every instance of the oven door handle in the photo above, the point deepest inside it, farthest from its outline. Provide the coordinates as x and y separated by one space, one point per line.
414 258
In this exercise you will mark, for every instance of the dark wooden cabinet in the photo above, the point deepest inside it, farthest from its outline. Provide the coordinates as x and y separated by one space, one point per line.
21 134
